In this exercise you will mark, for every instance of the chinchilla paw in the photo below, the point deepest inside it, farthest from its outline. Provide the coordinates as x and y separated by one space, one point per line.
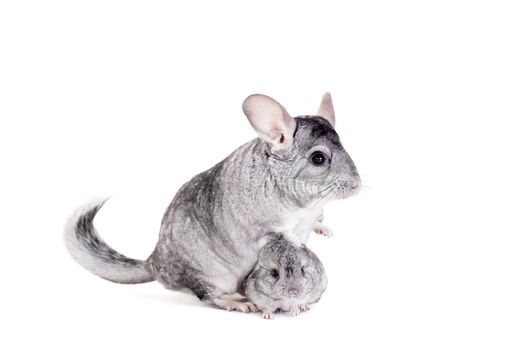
267 315
295 311
241 306
324 230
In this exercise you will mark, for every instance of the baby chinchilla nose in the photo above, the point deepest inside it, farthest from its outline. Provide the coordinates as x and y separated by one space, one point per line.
289 272
293 292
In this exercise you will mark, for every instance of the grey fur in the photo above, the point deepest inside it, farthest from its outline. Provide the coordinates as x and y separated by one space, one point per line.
92 253
214 228
286 278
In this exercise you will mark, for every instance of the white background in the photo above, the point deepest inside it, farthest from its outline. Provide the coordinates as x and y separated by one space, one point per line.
131 99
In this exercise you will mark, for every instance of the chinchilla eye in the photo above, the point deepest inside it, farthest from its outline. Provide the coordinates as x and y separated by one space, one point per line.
274 273
303 272
318 158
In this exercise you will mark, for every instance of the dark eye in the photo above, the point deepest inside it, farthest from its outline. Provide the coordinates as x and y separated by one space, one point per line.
318 158
274 273
303 272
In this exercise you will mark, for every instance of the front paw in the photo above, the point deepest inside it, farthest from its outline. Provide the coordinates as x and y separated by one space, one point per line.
304 307
294 311
324 230
267 315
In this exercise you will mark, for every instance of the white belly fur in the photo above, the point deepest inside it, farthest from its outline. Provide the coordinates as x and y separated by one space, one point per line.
299 224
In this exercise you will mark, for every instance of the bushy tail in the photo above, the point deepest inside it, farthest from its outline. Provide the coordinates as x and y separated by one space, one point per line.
92 253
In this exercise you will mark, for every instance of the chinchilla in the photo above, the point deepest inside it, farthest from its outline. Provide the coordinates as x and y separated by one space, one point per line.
286 278
213 229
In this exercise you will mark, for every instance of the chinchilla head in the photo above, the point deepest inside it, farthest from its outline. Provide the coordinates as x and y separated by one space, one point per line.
305 154
284 271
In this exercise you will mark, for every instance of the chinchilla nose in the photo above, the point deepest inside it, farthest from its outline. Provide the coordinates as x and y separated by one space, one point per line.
355 183
293 293
289 272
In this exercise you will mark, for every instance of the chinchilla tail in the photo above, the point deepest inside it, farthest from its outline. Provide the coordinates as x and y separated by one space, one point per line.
92 253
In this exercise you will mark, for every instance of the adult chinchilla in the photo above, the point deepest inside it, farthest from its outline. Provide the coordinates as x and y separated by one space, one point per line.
286 277
215 226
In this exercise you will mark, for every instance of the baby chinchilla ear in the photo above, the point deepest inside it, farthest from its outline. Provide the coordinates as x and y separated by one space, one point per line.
270 120
326 109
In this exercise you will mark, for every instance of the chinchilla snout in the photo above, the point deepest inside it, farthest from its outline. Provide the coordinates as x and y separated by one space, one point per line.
293 292
347 188
349 183
354 182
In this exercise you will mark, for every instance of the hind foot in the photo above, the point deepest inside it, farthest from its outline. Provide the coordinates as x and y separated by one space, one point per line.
234 302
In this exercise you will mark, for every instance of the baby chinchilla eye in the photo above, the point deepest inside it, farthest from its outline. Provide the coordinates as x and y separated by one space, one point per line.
274 273
318 158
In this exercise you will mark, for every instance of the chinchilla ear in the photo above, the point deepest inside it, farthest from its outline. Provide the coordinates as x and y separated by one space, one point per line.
270 120
326 109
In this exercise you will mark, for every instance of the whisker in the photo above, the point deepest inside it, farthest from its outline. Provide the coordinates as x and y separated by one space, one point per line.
324 196
329 188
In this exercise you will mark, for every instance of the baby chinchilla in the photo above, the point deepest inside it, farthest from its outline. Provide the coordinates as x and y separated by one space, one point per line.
215 226
286 277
